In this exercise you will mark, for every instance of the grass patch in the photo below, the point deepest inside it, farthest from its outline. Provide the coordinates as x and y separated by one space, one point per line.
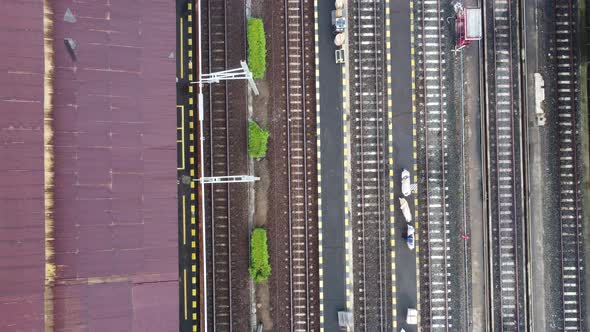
259 263
257 140
256 47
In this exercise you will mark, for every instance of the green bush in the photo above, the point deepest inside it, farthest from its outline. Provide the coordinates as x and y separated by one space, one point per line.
256 47
259 264
257 140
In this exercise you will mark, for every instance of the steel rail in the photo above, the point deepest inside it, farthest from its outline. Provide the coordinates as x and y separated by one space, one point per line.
496 161
289 198
378 126
291 160
227 154
442 166
573 146
442 156
426 164
514 176
305 195
513 167
362 178
361 89
498 172
213 260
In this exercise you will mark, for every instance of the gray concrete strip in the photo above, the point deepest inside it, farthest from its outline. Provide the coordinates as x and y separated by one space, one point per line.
536 192
473 162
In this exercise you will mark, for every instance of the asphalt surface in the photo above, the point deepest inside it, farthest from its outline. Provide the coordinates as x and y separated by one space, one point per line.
405 259
188 267
332 172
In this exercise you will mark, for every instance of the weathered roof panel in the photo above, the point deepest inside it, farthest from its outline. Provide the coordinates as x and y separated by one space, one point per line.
115 156
21 166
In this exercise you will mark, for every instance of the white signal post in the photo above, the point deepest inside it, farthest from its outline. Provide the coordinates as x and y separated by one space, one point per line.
242 73
227 179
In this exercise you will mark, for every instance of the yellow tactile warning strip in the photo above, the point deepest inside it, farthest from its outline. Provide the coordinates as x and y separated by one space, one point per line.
347 196
415 156
319 156
390 164
194 295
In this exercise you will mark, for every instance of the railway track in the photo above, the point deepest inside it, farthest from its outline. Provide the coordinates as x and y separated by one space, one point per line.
227 254
303 279
431 57
505 167
221 305
570 195
371 310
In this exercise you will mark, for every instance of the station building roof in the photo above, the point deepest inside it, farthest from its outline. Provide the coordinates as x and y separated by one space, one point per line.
115 217
21 167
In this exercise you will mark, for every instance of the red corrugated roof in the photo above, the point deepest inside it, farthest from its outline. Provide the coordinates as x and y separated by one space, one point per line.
114 117
21 166
116 217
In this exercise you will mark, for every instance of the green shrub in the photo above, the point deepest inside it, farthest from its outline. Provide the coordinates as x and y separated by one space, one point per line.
256 47
259 264
257 140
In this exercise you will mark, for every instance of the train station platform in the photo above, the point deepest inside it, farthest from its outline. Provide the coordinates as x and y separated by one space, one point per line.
331 159
336 292
187 63
399 26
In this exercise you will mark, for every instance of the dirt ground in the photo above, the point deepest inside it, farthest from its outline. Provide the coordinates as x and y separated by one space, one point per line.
261 203
260 111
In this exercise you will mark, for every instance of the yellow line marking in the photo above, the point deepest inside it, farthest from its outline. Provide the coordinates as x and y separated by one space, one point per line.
185 294
183 219
181 50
